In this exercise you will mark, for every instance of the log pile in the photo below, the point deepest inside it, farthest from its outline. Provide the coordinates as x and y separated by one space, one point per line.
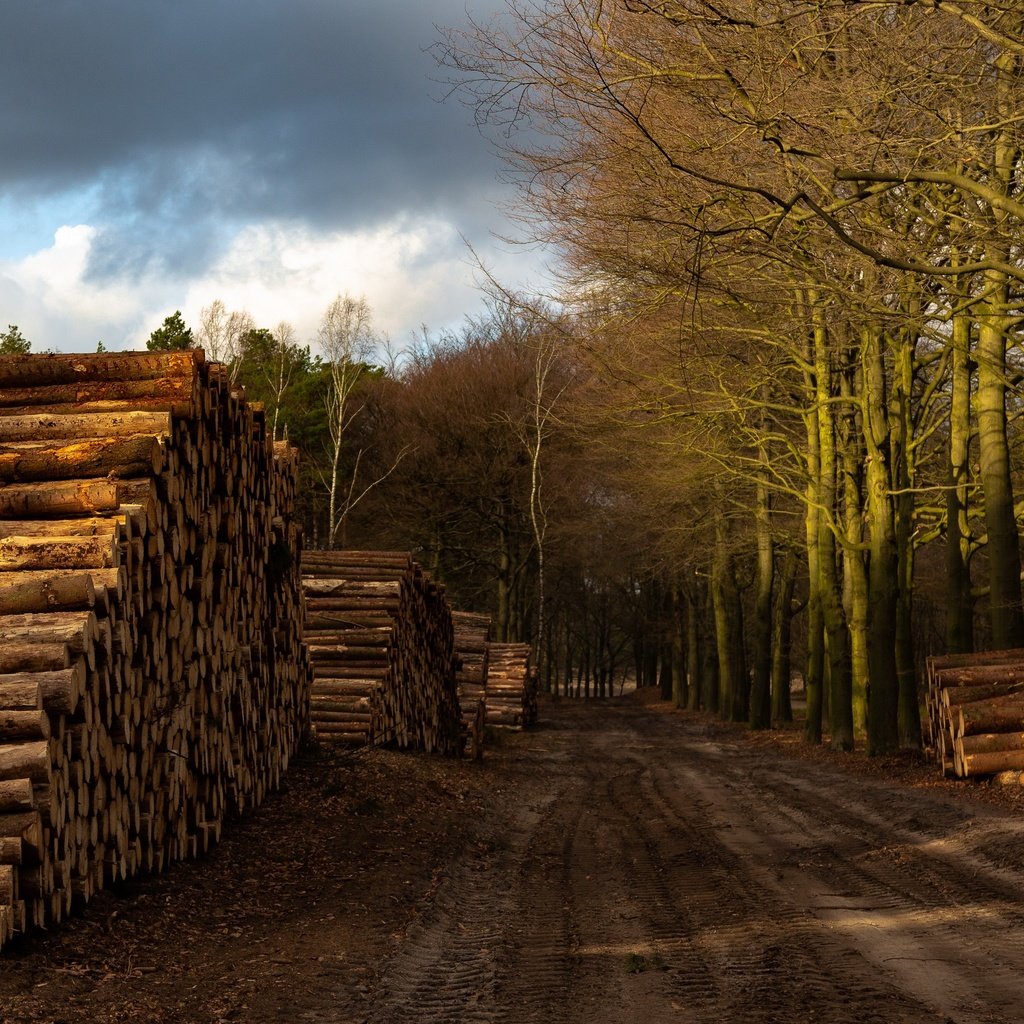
472 638
511 686
380 637
152 671
975 720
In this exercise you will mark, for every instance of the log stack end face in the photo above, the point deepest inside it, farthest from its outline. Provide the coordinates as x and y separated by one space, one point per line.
511 686
152 671
380 636
975 712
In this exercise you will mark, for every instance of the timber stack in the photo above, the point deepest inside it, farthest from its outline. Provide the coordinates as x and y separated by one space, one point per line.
472 637
380 638
153 676
511 686
975 720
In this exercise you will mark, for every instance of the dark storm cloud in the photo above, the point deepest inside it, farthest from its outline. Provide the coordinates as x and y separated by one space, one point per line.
188 118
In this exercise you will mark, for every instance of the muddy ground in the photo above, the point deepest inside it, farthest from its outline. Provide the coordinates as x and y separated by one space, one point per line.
622 863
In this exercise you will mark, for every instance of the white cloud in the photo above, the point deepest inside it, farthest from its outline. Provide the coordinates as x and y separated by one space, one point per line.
46 293
411 272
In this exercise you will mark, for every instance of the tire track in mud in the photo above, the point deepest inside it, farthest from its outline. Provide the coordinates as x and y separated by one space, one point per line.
640 871
771 961
634 933
885 868
494 944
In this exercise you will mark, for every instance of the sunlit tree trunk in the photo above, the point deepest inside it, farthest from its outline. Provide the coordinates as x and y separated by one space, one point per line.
855 570
883 699
994 458
1003 549
814 673
959 603
904 473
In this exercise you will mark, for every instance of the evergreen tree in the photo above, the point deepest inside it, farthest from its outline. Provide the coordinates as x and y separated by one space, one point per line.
171 336
13 342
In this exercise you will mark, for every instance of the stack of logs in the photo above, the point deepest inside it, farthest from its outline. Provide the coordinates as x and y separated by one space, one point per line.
380 638
472 638
511 686
152 671
975 720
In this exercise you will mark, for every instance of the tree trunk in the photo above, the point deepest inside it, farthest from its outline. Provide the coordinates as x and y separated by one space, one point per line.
855 572
1003 549
728 634
883 703
909 710
680 689
710 684
693 646
760 692
814 673
782 709
959 603
502 626
840 683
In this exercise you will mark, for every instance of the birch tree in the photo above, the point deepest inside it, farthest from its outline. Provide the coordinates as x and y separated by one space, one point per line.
347 340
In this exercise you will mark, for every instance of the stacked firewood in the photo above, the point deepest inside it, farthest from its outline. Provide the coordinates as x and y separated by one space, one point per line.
380 638
152 671
975 704
472 638
511 686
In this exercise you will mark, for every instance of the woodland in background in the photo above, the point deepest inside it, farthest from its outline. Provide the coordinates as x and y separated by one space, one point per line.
769 428
798 225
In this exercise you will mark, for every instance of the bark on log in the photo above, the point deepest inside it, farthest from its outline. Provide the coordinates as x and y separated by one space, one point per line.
1000 714
53 499
15 795
33 657
21 372
59 553
25 761
58 692
37 426
953 695
56 593
121 457
990 762
17 726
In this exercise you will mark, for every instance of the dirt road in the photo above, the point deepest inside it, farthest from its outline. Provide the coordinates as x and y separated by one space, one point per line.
618 865
656 874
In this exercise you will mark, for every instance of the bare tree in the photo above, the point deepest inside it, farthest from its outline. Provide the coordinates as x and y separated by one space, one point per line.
347 340
222 334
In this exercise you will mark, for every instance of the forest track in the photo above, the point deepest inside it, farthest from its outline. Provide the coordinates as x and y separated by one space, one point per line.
645 870
618 864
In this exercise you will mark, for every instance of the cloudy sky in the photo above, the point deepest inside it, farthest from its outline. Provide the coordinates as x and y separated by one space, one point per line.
158 155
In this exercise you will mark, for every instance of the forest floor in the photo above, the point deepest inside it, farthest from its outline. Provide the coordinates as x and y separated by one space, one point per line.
624 862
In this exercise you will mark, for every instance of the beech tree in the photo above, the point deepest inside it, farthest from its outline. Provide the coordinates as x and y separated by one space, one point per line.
843 181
